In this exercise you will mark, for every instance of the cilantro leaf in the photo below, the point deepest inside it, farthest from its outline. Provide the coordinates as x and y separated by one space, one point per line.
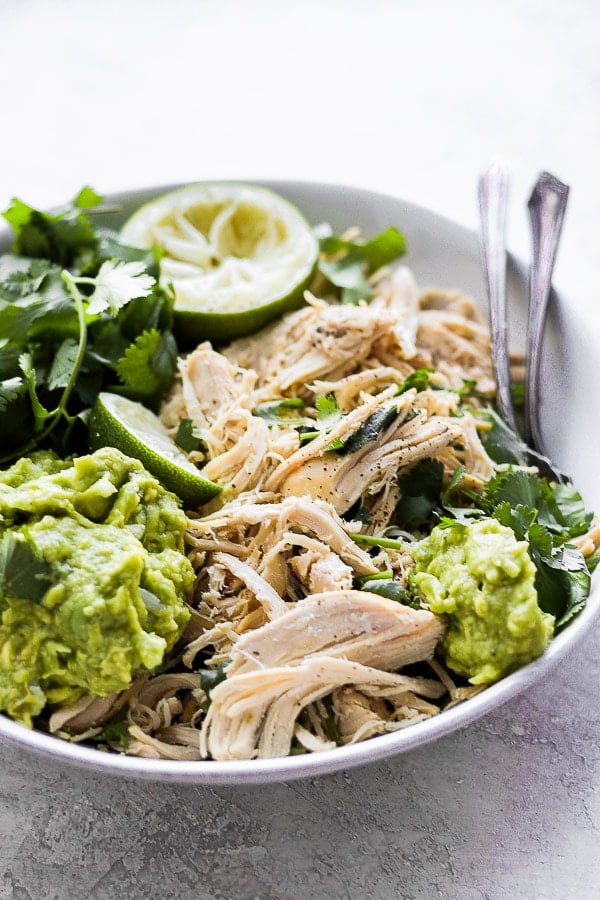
277 412
22 277
521 488
186 437
328 411
420 490
346 264
501 443
559 507
592 561
382 249
111 248
546 516
10 389
328 415
117 283
44 298
59 237
520 518
144 313
23 574
209 679
391 589
148 365
562 578
453 484
87 198
572 508
419 379
115 733
464 515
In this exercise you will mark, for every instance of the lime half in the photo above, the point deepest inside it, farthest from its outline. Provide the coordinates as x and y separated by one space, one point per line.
236 254
130 427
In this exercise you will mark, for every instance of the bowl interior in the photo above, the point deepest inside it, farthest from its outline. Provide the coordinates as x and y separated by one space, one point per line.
442 254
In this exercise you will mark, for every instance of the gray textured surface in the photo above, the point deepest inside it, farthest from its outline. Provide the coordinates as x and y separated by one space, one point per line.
413 99
508 808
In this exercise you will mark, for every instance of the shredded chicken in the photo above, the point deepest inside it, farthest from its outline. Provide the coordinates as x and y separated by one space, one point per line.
254 713
317 341
87 713
276 607
360 714
310 426
355 625
343 479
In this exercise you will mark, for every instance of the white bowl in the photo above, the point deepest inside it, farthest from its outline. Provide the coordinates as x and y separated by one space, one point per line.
443 254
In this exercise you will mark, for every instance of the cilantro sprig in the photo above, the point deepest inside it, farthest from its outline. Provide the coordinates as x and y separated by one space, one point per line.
328 415
282 412
546 514
79 313
348 264
62 237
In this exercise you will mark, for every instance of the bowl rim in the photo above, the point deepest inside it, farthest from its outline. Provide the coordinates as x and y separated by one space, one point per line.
257 771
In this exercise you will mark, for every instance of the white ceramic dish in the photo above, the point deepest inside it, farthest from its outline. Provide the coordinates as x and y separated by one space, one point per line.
444 254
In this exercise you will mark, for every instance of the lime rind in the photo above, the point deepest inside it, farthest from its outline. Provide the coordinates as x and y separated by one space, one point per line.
125 424
237 255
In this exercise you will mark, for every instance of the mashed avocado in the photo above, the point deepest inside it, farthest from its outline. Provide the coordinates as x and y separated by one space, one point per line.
92 578
482 580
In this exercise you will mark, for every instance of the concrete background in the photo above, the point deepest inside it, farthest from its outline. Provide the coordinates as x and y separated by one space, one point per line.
409 98
509 808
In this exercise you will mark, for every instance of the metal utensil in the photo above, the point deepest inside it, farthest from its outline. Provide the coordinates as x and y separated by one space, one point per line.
546 207
493 201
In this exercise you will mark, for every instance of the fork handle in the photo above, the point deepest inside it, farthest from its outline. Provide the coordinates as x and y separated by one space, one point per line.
493 201
547 206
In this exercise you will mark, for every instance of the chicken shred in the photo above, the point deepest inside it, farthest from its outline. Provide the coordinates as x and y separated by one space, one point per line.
293 652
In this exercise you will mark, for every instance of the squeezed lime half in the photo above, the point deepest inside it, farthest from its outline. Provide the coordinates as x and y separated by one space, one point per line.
125 424
237 255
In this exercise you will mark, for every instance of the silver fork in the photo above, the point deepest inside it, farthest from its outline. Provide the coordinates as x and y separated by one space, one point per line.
547 206
546 209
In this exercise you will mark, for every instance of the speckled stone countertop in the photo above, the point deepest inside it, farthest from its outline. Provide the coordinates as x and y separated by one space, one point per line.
507 808
412 99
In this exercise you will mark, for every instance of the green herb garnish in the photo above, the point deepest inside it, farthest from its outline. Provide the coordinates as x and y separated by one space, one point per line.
420 490
370 430
347 264
22 573
328 415
281 412
79 313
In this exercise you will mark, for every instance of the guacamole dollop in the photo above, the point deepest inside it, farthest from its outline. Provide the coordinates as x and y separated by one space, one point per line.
93 578
481 579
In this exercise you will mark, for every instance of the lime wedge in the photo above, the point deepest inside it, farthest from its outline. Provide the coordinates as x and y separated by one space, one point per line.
237 255
125 424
